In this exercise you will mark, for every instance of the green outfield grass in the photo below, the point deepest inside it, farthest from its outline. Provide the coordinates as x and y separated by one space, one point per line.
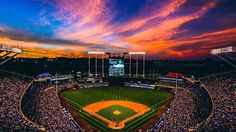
122 113
80 98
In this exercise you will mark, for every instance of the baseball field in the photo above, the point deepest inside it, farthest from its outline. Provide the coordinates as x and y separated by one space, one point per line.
116 108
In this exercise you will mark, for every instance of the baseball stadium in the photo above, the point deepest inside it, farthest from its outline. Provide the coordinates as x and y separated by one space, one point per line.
117 66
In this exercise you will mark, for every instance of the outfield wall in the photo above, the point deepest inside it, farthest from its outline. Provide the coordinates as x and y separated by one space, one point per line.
119 81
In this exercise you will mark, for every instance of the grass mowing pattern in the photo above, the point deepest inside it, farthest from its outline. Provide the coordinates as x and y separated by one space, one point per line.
80 98
124 113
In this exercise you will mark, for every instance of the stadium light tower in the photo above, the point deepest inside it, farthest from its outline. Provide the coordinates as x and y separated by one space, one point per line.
225 50
137 54
96 53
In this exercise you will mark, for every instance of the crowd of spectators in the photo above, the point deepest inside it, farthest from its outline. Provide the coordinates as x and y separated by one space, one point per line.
47 113
181 113
222 89
11 89
50 111
206 106
192 105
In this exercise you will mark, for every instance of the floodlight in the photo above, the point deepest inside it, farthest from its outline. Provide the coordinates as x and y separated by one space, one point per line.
96 53
137 53
16 50
222 50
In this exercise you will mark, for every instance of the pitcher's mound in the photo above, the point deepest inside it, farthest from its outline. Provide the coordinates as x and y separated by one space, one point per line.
117 112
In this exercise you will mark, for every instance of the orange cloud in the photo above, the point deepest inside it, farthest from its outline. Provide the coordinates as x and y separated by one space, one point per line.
157 38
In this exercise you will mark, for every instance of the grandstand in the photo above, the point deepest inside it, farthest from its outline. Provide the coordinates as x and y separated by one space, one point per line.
222 90
12 88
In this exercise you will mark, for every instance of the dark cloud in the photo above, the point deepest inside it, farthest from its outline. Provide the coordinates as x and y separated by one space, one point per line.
201 46
22 35
219 18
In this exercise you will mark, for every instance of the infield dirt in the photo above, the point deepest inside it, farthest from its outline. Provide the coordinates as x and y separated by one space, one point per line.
95 107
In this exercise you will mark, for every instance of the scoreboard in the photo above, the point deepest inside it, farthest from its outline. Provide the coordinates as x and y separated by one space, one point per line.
116 67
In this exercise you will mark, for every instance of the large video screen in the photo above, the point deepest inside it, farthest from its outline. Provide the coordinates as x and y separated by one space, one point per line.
116 67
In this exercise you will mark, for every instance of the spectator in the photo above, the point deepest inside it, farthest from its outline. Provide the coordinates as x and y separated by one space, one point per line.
222 89
11 89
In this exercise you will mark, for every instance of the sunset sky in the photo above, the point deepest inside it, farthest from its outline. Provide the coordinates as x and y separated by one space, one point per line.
167 29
